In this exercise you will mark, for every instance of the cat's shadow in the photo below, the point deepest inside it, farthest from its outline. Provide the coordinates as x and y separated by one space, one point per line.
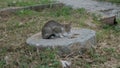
73 36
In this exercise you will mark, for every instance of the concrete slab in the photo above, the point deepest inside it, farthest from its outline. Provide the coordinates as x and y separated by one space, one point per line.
104 8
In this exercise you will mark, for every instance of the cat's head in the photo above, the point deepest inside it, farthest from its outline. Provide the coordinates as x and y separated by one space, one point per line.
67 27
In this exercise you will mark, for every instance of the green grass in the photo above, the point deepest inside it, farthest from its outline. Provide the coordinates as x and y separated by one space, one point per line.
29 56
17 27
7 3
113 1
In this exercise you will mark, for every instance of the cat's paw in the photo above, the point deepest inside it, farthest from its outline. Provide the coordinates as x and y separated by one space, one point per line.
61 36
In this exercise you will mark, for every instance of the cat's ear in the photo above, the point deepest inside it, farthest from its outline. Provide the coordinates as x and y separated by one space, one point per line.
70 24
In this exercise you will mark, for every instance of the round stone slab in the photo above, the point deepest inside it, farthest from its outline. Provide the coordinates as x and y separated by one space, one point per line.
79 38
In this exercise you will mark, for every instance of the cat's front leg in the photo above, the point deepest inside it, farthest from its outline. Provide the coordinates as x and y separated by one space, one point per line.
61 35
67 35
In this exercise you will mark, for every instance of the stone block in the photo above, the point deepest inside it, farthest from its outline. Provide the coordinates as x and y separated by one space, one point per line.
81 38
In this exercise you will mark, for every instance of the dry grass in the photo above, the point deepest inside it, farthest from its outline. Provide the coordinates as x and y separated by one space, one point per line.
16 28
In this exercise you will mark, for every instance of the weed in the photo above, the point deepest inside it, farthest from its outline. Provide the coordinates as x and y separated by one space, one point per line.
2 63
118 20
3 52
114 28
64 11
117 56
26 12
82 11
87 65
109 50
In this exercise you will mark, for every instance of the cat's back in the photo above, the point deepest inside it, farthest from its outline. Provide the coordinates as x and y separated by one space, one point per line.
49 27
52 23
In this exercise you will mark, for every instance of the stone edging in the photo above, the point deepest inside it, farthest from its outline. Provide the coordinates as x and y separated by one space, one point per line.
33 7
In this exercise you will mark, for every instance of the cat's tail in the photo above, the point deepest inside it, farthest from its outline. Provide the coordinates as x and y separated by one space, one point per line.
49 36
